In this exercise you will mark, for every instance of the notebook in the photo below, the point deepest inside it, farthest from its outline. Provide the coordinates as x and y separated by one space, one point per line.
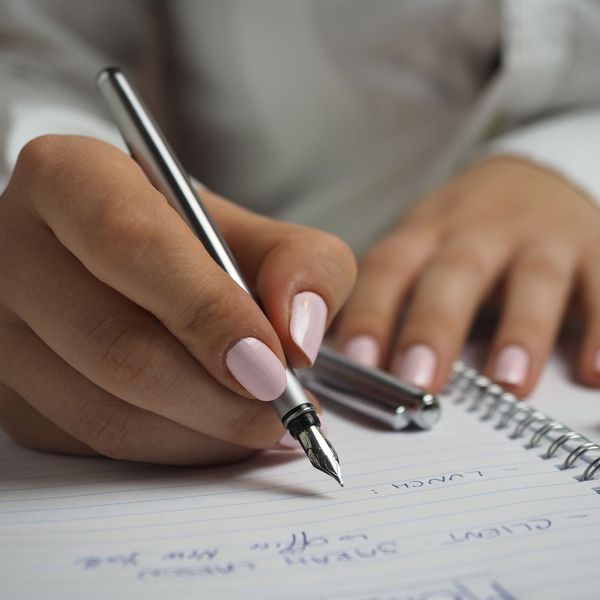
466 511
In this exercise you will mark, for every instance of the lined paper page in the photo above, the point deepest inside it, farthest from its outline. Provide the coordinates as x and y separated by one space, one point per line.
460 512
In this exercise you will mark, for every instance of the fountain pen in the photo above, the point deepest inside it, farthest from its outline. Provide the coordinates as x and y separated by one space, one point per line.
150 150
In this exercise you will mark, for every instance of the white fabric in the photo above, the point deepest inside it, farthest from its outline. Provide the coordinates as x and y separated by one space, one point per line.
335 114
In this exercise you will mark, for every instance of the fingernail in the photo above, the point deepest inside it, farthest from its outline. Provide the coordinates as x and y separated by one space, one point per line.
512 365
364 349
288 442
307 325
256 368
416 365
596 364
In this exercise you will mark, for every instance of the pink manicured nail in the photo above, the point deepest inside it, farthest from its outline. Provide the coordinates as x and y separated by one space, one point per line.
307 325
288 442
257 369
512 365
416 365
363 349
596 363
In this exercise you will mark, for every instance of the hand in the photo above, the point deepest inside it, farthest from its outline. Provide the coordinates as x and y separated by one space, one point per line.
119 335
504 219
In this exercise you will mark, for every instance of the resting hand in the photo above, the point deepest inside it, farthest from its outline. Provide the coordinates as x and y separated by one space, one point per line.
506 221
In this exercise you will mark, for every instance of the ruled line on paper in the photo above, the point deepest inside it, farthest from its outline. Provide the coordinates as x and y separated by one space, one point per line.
564 581
479 525
460 564
411 584
21 535
190 480
108 465
261 461
451 562
554 551
218 481
247 490
372 484
442 530
294 511
374 591
550 517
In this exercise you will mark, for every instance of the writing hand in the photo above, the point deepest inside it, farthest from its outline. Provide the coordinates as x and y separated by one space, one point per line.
120 335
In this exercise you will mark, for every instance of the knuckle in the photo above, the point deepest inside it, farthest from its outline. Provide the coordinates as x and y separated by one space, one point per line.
110 430
333 246
238 425
129 353
210 311
340 271
438 324
329 251
545 266
384 261
384 252
42 159
122 235
385 258
399 252
465 258
42 151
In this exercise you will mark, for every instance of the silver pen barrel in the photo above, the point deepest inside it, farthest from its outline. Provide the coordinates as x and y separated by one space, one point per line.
371 392
151 151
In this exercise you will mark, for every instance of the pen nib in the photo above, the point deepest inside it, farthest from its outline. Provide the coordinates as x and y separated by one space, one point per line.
320 452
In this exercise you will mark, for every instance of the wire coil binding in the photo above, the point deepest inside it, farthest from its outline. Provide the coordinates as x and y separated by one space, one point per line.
492 402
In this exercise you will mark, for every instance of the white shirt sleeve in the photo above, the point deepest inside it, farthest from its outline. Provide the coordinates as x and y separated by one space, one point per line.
568 144
32 117
50 54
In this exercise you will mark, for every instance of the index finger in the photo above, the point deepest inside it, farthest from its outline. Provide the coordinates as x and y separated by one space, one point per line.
102 208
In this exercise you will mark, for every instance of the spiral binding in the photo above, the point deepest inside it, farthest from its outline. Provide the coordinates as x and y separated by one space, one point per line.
481 395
